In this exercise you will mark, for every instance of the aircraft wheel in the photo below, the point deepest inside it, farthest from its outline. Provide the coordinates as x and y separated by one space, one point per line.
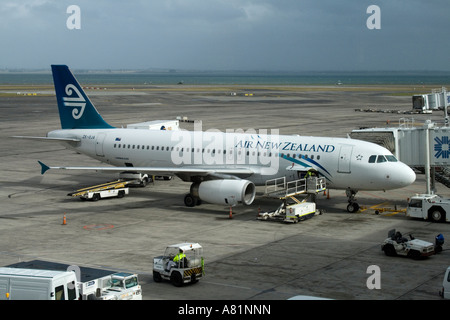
190 201
352 207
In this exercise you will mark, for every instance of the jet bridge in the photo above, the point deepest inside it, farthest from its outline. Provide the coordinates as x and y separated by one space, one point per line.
425 145
298 198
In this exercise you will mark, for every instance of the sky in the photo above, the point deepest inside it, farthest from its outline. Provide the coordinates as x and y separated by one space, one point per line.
227 35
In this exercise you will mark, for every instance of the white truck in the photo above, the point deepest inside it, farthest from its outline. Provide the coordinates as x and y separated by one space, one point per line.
135 178
117 286
290 213
97 195
37 284
429 206
31 284
445 292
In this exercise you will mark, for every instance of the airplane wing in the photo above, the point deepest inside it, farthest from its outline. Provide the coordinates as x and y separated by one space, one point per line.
47 139
182 172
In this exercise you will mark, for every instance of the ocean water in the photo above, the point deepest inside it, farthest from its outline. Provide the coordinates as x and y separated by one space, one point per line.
235 78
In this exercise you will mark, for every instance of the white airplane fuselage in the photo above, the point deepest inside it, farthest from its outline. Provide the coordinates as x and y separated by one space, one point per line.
343 162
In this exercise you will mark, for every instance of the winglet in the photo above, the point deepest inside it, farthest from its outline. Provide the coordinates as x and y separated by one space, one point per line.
44 167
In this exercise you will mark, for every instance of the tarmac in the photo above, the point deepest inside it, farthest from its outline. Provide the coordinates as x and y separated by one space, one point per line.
327 256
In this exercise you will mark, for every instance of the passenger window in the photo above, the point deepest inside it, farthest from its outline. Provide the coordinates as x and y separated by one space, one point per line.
381 159
372 159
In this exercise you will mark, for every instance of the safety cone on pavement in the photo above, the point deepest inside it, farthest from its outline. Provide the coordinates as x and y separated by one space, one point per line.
231 213
64 220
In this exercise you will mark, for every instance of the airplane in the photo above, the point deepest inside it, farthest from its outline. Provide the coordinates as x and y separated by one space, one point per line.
223 167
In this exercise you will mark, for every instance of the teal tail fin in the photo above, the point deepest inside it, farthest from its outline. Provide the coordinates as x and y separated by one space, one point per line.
76 111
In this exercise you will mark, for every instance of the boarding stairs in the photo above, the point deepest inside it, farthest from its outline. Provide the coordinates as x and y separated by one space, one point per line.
291 190
282 189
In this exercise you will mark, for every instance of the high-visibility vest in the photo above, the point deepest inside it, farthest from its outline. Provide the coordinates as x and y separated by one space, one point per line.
179 256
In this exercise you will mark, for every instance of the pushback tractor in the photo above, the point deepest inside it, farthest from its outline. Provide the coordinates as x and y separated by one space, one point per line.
181 263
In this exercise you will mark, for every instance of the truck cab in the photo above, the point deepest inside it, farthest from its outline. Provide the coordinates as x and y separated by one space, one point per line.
429 207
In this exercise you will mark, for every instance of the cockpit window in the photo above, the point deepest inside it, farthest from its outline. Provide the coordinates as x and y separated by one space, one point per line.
372 159
381 159
391 158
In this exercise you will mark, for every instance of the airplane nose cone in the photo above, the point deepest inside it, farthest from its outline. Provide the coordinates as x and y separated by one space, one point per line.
410 176
404 176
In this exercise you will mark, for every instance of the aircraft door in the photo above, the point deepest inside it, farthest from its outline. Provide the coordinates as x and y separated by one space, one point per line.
345 155
99 144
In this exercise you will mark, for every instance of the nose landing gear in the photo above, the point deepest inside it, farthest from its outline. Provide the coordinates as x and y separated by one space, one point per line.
352 206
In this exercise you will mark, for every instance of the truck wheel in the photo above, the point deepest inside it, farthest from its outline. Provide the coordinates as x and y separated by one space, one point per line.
176 279
157 276
121 194
96 197
414 254
436 215
194 279
389 250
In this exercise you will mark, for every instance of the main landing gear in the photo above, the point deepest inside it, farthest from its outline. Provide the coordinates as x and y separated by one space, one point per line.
191 201
352 206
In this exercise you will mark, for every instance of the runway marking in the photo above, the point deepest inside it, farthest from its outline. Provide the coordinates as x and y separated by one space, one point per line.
98 226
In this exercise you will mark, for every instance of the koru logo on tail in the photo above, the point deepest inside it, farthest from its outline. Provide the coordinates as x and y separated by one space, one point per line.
74 102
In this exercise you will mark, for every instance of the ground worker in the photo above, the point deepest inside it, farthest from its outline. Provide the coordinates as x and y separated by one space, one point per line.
179 257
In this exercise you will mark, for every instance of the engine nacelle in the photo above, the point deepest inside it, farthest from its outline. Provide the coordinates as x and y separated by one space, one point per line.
226 191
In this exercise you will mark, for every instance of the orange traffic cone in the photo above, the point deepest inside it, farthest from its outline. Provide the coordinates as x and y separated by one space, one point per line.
64 220
231 213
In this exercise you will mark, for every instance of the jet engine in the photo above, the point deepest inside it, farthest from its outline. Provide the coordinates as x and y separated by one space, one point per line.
225 191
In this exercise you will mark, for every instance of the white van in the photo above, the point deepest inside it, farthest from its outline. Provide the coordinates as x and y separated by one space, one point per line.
33 284
445 293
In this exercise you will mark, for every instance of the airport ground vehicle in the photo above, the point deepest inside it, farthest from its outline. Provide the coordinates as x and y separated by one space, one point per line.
135 178
38 284
396 244
445 292
97 195
428 206
188 268
105 190
117 286
30 284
